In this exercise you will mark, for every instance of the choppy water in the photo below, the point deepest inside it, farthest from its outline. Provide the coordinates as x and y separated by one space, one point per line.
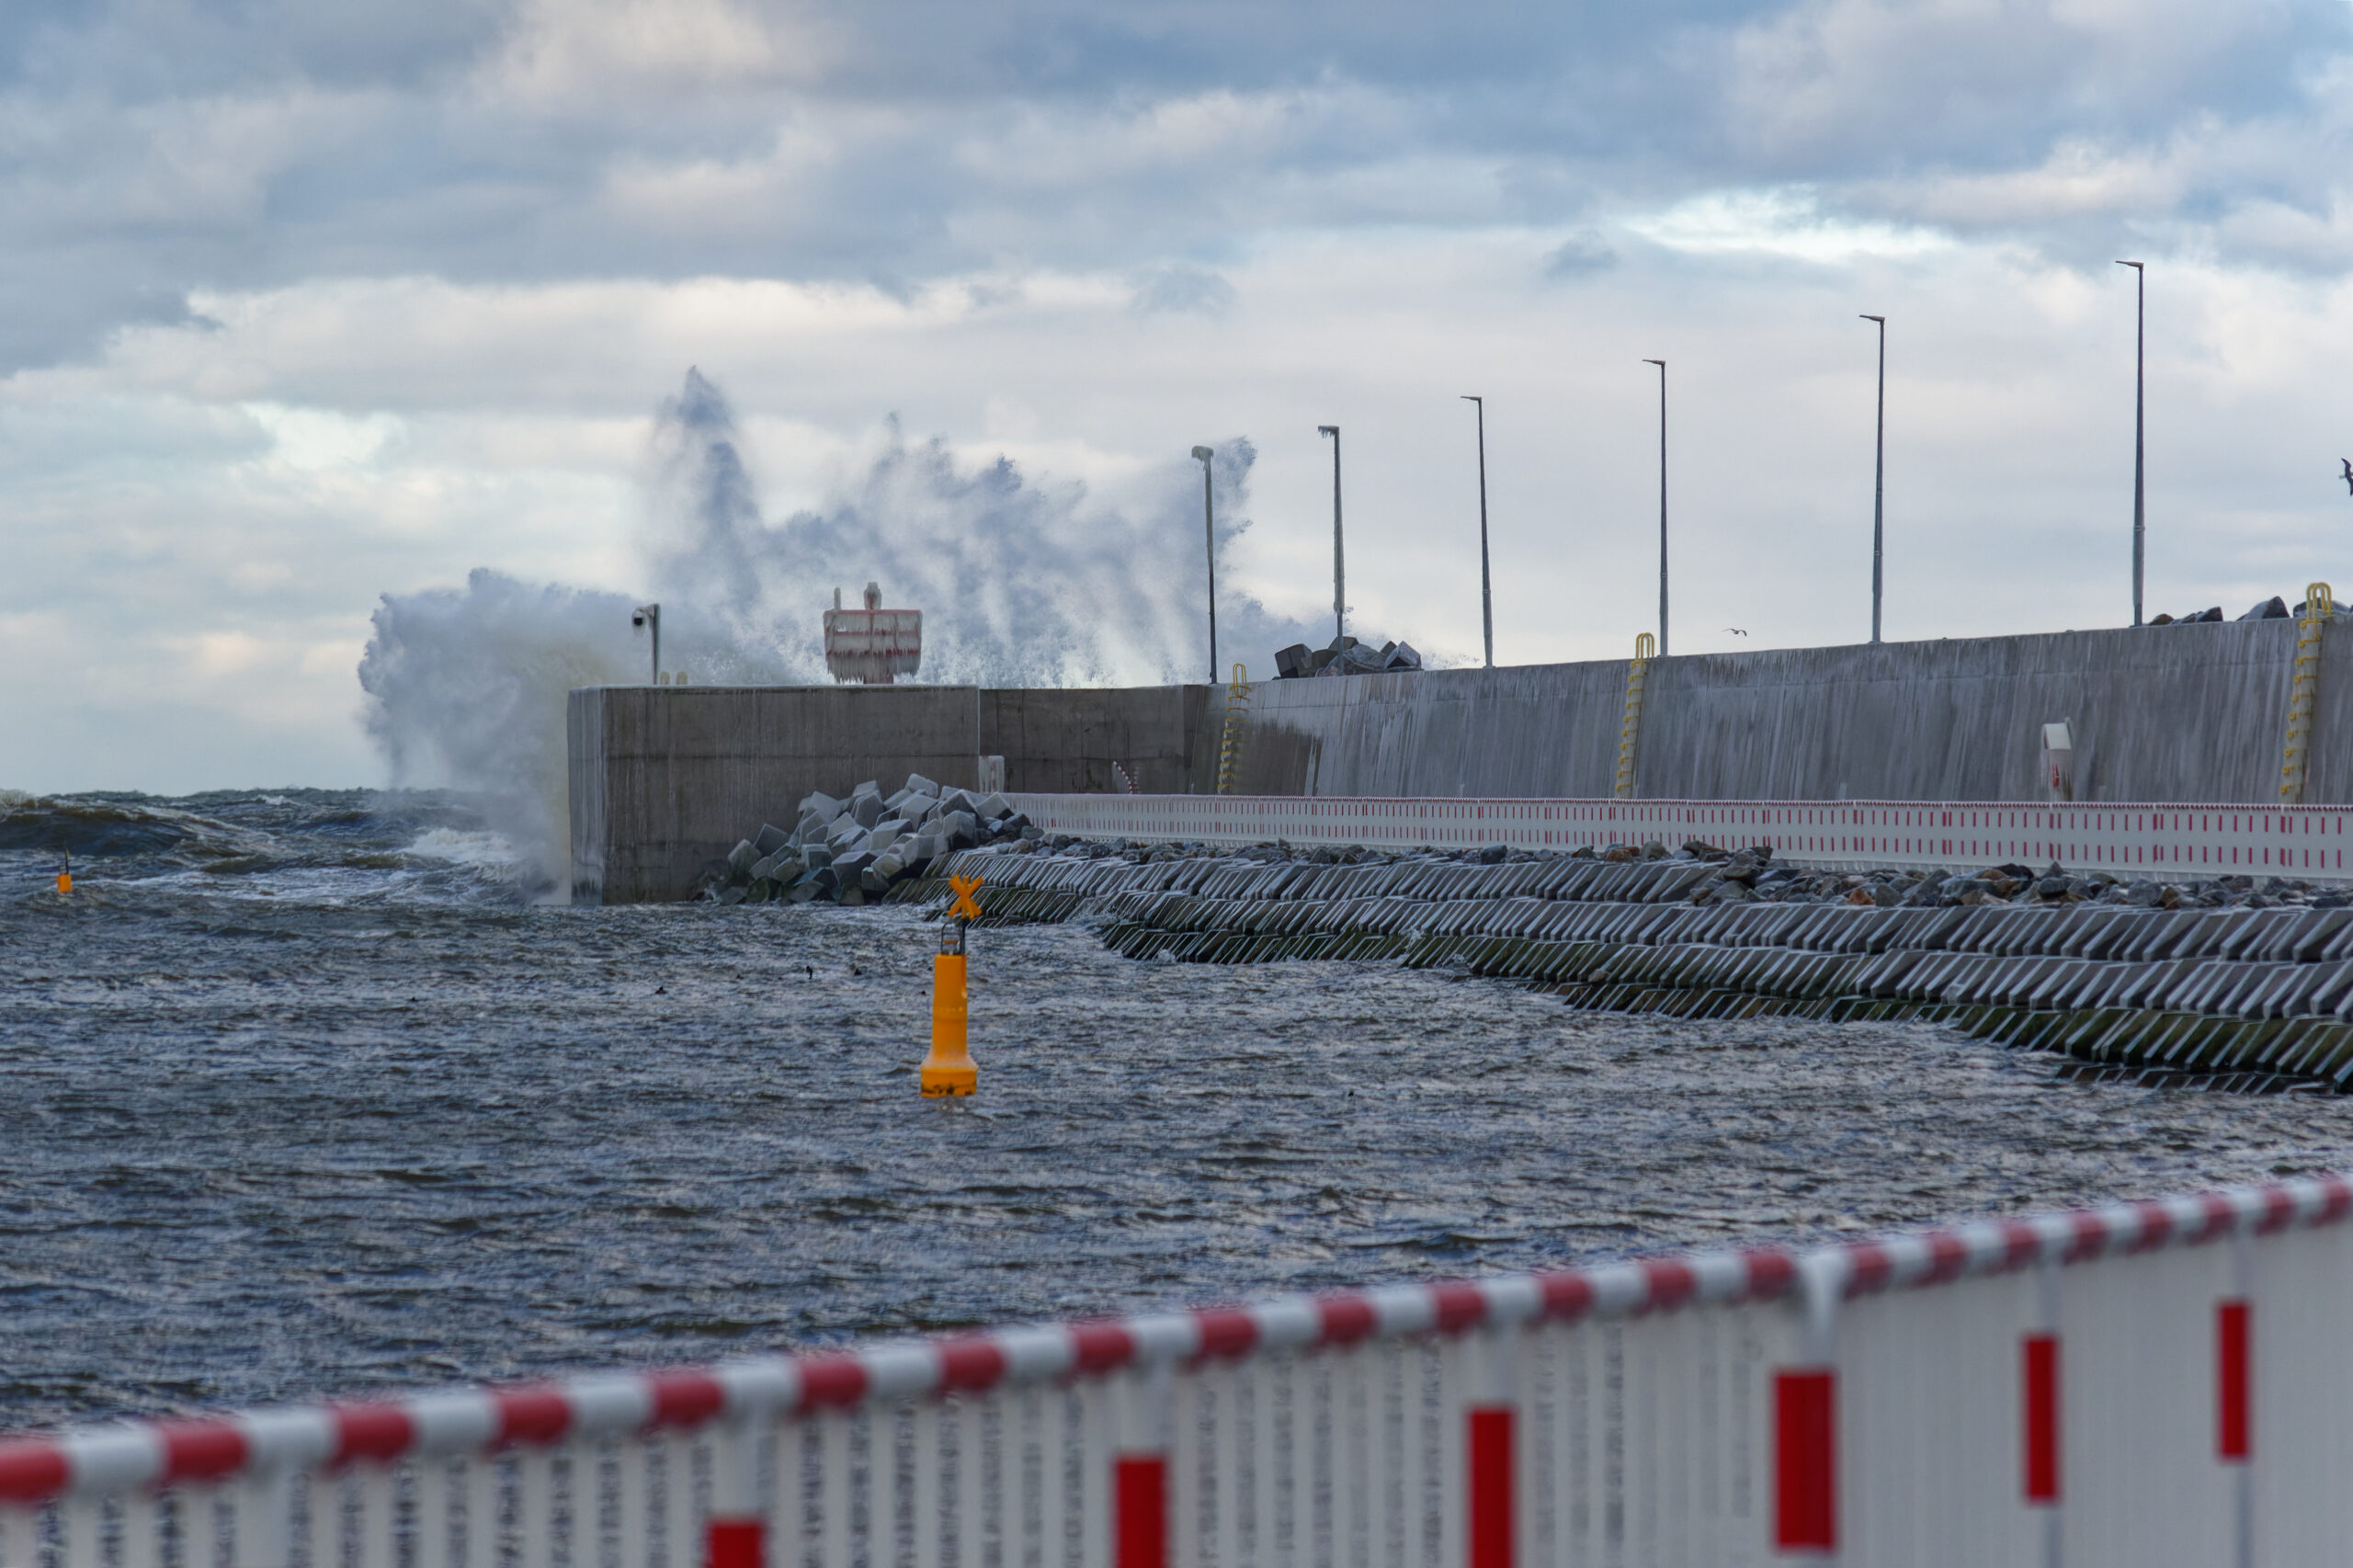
303 1096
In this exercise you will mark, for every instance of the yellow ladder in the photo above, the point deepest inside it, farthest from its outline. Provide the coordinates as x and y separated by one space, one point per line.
1237 708
2319 605
1645 648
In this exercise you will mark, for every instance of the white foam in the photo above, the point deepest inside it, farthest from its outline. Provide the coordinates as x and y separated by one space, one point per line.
489 851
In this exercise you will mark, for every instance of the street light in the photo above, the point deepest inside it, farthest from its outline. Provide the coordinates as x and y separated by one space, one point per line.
1339 573
1208 528
649 617
1661 503
2140 361
1486 588
1879 481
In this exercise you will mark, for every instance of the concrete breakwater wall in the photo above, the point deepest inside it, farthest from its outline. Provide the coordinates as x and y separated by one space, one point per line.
2242 996
666 779
2172 713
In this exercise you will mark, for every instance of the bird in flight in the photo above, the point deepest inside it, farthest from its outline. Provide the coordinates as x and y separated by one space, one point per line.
1735 630
2348 473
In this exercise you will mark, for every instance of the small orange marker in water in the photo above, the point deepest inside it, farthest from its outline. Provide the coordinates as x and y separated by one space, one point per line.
948 1069
65 878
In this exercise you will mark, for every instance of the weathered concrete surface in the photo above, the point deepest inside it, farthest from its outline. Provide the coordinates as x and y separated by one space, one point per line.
2165 714
666 779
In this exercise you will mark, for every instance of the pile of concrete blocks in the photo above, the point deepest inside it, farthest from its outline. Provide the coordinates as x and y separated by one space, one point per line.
1344 656
854 850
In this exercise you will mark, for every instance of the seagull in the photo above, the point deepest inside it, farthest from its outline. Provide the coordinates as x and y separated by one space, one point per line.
2348 472
1735 630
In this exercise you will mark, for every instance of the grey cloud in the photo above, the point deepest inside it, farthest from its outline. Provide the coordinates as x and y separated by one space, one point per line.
155 146
1580 255
1183 290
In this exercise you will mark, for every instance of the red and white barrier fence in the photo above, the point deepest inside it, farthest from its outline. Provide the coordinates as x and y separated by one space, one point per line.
2154 1382
2157 841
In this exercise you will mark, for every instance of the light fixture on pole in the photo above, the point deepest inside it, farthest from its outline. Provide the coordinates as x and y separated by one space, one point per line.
1661 503
1486 586
2140 362
649 617
1339 564
1879 479
1209 530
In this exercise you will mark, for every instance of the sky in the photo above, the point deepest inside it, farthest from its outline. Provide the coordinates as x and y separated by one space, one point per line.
325 324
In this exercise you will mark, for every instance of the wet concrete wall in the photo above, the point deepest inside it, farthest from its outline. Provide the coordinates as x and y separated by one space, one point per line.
2165 713
664 780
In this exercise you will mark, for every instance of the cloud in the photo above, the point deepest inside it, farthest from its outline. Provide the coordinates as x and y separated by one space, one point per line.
1183 290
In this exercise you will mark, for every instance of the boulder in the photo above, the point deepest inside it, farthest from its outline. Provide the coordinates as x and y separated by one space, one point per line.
822 806
770 839
959 829
2273 609
2145 895
741 859
1291 662
1402 656
885 833
815 856
918 784
847 869
867 808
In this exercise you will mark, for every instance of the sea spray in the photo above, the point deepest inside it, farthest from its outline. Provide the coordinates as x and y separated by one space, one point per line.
1023 582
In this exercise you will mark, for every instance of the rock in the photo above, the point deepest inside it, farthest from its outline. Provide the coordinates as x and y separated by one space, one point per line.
2161 620
770 839
918 784
1700 850
1620 852
2051 887
760 892
886 870
2214 613
762 870
867 808
895 799
851 897
1401 657
731 895
2273 609
1291 662
996 808
741 859
822 806
845 835
917 807
805 892
1924 893
816 856
885 834
960 830
959 801
1859 896
846 870
1887 896
1653 850
1033 833
1493 855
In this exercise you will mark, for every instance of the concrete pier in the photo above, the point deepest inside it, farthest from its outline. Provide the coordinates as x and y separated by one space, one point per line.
665 779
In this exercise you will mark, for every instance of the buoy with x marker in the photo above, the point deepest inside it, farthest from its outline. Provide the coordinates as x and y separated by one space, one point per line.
948 1069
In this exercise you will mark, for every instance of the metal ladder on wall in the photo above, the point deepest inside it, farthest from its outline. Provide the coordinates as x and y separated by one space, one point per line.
2320 603
1237 708
1631 732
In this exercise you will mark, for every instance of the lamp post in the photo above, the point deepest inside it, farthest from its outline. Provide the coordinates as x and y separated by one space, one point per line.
1879 479
1209 530
1339 570
2140 364
650 618
1661 503
1486 586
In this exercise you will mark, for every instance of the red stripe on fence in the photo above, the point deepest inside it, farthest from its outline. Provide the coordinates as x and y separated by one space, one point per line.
2041 1372
1491 1521
1805 1460
2232 1440
1139 1504
201 1451
734 1543
31 1471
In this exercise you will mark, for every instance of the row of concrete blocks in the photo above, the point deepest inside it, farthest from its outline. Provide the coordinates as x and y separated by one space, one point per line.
2279 935
2254 1054
1429 881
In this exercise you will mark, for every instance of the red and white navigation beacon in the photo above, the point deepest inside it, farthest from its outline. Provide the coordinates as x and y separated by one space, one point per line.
873 645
